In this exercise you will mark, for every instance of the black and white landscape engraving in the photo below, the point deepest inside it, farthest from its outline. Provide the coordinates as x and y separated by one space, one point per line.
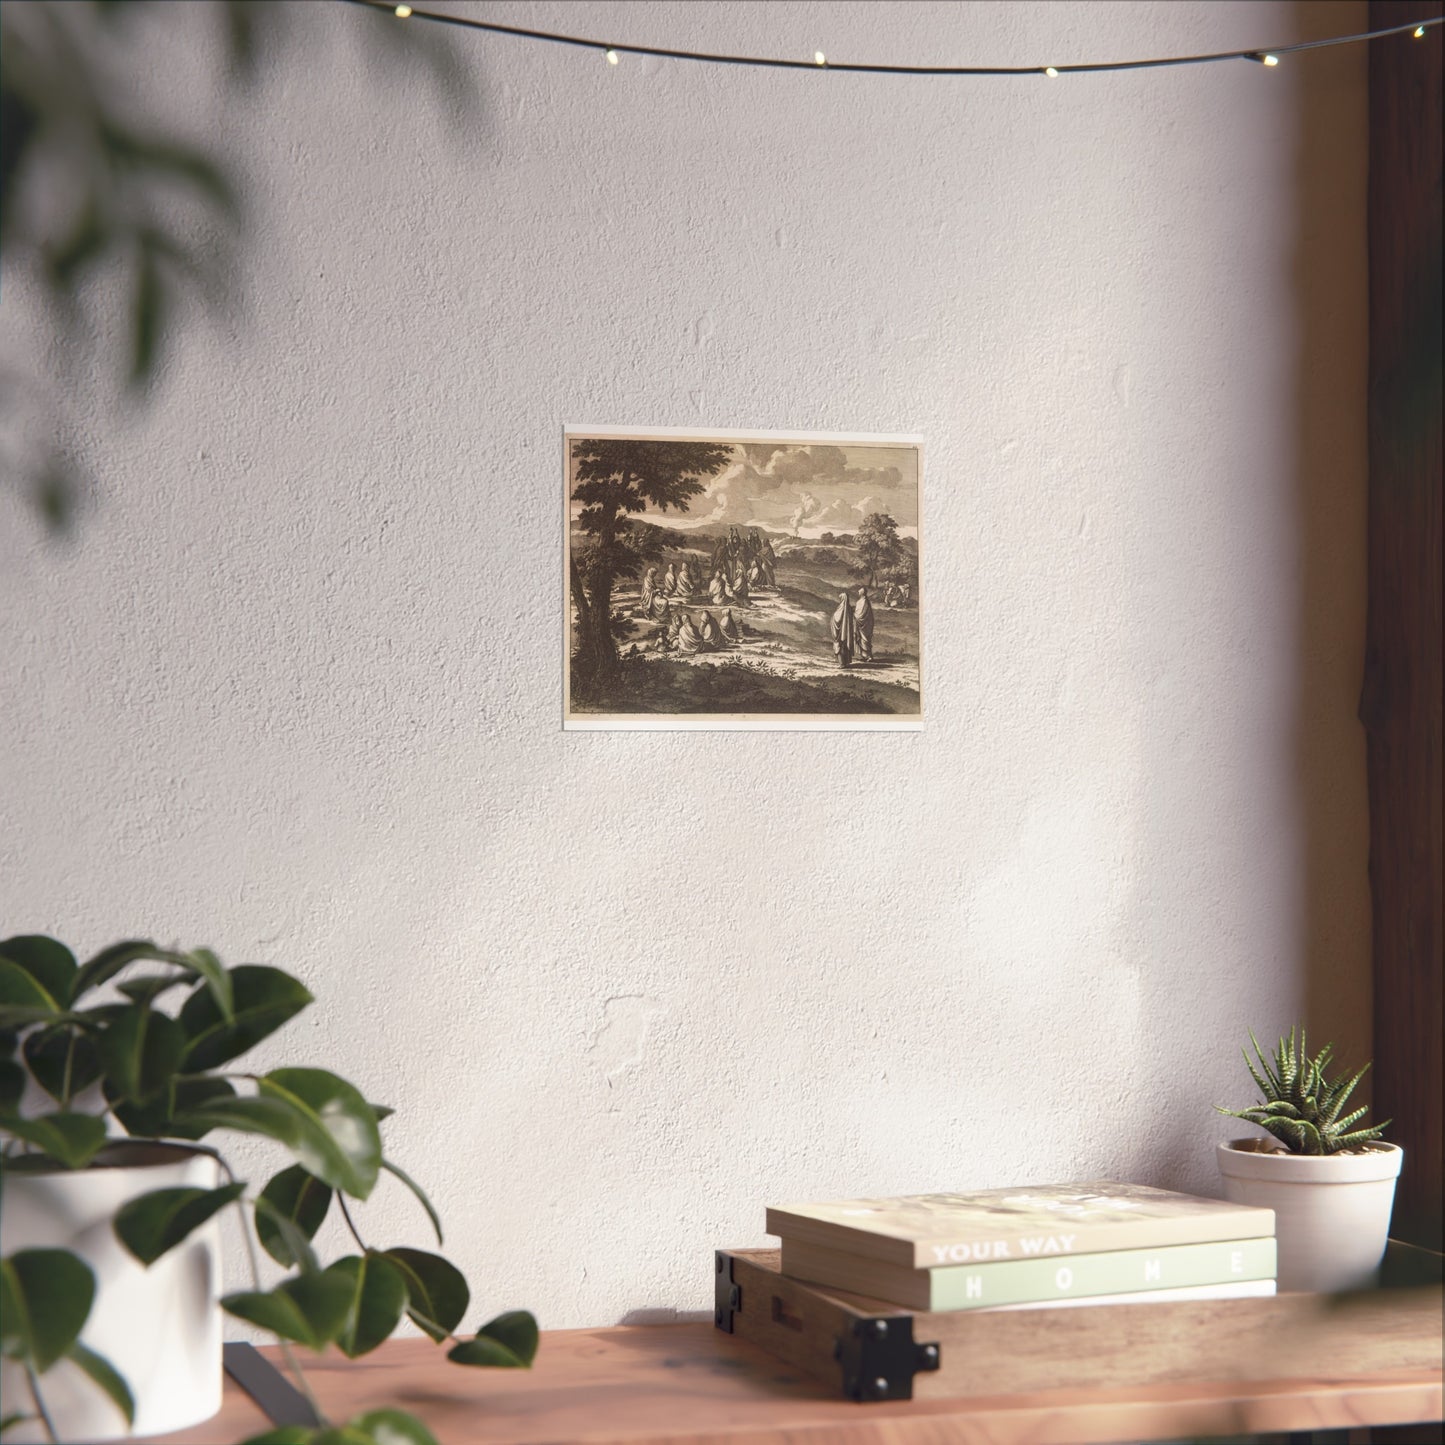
711 578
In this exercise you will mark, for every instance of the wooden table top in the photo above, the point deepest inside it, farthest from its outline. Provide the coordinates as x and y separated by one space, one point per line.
691 1384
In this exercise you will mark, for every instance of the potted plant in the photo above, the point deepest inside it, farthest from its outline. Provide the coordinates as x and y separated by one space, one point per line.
1331 1185
113 1086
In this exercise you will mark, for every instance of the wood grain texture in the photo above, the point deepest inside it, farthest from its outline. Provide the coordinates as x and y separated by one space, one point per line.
1274 1340
694 1385
1401 698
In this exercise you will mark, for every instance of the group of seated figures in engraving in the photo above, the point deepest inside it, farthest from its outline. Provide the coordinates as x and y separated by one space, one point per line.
686 633
740 562
745 559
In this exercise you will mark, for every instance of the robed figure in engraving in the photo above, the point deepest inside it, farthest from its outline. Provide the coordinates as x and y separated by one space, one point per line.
845 631
863 624
709 632
688 638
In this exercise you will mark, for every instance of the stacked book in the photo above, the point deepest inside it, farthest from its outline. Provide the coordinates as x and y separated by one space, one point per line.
1031 1247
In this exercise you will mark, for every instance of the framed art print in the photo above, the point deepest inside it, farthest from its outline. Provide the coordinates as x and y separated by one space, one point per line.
728 579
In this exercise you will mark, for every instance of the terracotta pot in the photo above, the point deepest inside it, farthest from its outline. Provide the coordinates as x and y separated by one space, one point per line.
1331 1211
160 1327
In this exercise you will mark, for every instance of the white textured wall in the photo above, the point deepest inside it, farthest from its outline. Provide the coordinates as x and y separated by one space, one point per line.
293 690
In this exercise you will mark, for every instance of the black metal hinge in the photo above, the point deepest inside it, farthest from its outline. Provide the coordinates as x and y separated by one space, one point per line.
727 1296
880 1358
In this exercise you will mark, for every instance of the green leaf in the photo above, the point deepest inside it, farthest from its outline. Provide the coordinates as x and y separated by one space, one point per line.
1282 1107
392 1427
148 989
263 999
96 1019
12 1086
14 1323
141 1051
382 1111
197 1092
73 1139
296 1196
45 1299
104 1374
64 1061
507 1342
163 1116
109 962
416 1189
1361 1136
437 1293
23 999
340 1143
50 964
295 1243
378 1296
1338 1126
310 1310
11 1421
210 968
151 1224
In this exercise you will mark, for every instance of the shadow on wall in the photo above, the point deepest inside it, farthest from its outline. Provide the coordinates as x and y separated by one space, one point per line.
1323 965
92 187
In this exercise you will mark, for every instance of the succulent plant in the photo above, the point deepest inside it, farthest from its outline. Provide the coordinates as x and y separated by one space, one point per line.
1301 1107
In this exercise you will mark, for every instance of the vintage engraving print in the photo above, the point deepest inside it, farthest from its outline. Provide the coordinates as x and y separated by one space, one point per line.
734 579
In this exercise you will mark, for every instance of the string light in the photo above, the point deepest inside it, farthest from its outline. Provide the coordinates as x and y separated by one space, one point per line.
1260 56
612 57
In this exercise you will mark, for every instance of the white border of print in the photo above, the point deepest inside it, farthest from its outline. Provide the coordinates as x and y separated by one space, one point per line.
651 722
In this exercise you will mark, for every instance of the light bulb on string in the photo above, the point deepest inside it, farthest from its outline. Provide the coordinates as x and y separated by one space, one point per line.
1260 57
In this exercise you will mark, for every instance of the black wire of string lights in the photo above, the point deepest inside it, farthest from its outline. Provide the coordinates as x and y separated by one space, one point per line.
614 50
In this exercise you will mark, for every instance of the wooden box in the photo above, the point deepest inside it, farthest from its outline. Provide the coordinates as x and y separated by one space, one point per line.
871 1350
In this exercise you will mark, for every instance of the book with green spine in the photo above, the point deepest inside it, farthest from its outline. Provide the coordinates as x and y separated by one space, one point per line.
1034 1281
923 1231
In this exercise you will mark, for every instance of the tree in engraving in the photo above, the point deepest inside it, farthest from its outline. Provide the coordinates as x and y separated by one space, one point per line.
877 546
614 480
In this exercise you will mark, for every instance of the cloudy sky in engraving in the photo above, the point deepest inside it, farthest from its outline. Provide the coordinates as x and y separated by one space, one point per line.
805 490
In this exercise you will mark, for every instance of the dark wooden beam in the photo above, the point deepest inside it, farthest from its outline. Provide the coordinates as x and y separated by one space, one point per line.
1400 702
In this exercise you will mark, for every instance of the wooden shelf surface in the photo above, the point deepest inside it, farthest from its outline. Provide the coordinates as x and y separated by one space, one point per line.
694 1385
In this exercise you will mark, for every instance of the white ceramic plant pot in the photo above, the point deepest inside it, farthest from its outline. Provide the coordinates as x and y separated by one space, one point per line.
1331 1211
160 1327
